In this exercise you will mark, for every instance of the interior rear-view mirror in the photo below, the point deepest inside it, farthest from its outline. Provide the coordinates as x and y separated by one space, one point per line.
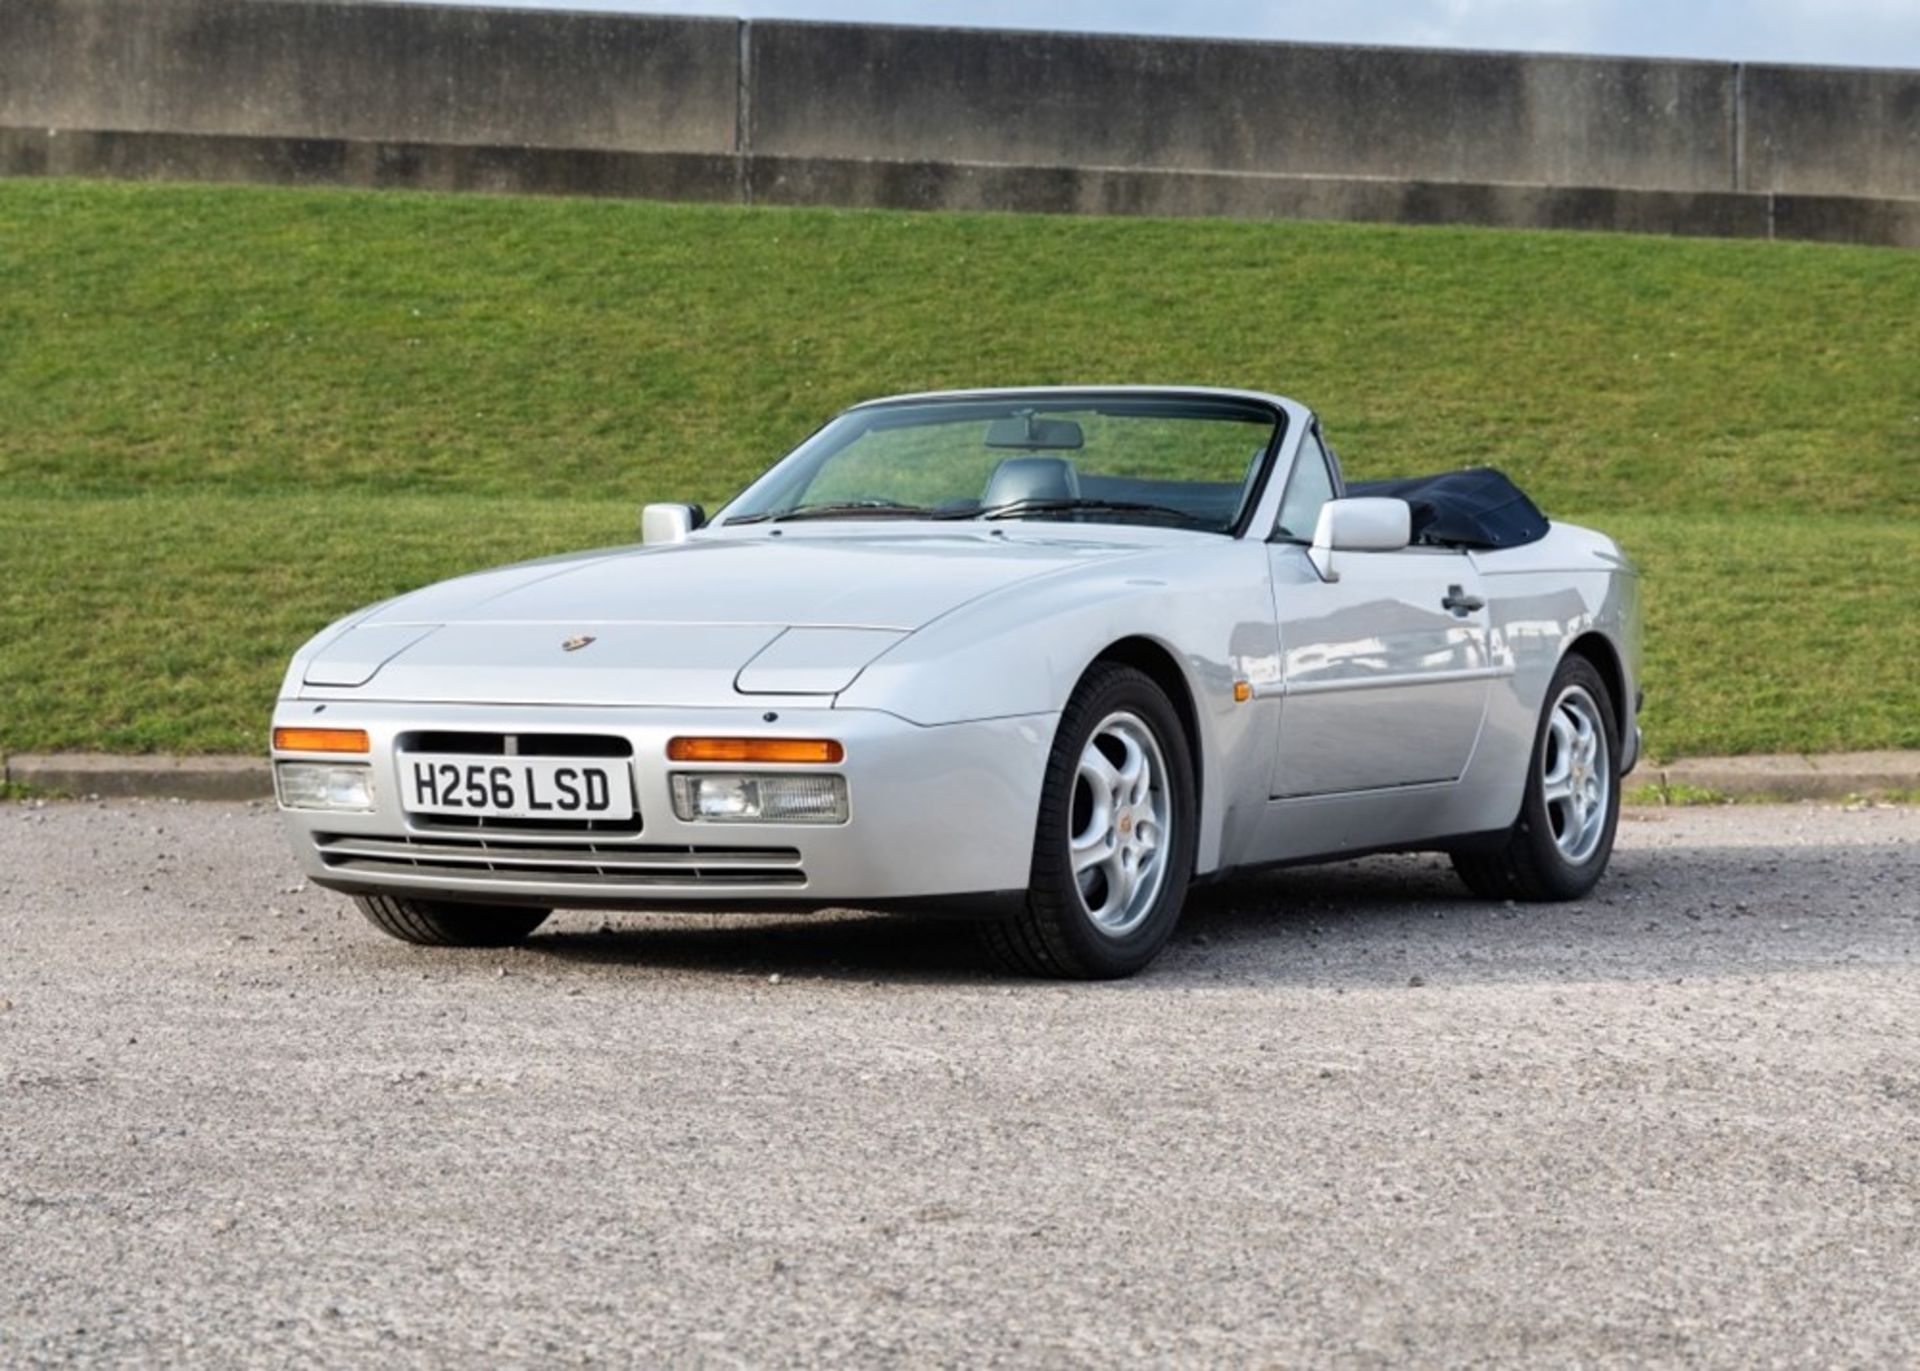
1029 433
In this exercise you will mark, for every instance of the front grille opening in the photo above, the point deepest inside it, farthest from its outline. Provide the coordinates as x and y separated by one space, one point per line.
595 865
473 744
485 823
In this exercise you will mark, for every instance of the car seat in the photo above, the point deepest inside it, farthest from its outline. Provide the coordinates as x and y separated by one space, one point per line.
1031 478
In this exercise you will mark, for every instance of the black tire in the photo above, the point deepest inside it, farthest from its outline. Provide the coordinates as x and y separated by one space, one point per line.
1528 864
1054 934
444 923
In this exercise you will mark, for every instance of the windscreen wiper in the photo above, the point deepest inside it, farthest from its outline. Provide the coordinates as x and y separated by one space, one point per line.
842 509
1014 509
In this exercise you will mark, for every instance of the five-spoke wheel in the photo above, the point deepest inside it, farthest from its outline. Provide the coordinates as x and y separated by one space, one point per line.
1559 844
1576 779
1114 846
1120 817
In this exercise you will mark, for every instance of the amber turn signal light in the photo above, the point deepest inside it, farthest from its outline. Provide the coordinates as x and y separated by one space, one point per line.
755 750
1242 691
320 740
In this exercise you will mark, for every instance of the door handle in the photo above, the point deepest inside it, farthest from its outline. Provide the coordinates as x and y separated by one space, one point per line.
1460 602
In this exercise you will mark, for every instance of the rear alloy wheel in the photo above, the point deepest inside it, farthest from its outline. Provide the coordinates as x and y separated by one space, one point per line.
444 923
1560 845
1113 850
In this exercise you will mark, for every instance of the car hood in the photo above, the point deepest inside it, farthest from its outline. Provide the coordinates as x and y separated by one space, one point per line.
691 624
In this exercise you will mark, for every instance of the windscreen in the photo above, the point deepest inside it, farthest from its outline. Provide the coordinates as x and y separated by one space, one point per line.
1177 462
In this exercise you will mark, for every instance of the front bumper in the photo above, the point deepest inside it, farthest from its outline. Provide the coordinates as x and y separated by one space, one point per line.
934 812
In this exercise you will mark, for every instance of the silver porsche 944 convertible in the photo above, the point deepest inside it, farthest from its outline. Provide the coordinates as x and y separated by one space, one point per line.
1048 657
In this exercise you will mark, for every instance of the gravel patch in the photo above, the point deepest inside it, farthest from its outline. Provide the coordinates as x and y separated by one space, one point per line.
1353 1115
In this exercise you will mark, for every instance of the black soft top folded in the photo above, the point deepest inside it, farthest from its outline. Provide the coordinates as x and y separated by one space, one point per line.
1478 507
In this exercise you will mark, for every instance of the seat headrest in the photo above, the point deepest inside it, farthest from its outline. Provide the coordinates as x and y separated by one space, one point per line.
1031 478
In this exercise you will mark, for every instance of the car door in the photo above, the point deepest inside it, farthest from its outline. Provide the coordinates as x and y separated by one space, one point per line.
1385 672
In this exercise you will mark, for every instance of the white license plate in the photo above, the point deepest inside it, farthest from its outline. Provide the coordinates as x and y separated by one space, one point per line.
516 787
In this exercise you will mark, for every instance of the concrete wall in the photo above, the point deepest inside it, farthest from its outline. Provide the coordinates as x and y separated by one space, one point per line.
1830 131
313 91
1087 101
397 72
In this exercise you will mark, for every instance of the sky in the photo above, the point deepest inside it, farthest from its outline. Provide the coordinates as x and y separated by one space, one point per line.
1844 32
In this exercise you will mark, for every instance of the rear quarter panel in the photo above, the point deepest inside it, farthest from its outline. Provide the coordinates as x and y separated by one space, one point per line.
1542 598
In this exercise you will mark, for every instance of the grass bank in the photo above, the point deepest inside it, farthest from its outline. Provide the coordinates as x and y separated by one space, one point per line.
229 414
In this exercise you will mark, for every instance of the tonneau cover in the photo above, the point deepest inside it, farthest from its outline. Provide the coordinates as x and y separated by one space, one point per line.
1478 507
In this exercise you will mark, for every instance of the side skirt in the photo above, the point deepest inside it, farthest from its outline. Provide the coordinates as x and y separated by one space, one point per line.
1462 842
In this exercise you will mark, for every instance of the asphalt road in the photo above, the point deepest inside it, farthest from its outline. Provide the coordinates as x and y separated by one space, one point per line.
1351 1117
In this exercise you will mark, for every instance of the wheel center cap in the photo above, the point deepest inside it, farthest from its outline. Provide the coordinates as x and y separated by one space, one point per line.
1126 825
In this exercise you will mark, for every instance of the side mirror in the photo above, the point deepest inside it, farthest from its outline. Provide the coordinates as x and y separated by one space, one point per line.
1358 525
669 523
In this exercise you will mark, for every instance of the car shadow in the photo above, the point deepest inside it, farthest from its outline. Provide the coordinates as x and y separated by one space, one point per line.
837 944
1661 914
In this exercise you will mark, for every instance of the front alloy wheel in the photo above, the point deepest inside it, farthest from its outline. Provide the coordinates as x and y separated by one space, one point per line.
1114 847
1121 813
